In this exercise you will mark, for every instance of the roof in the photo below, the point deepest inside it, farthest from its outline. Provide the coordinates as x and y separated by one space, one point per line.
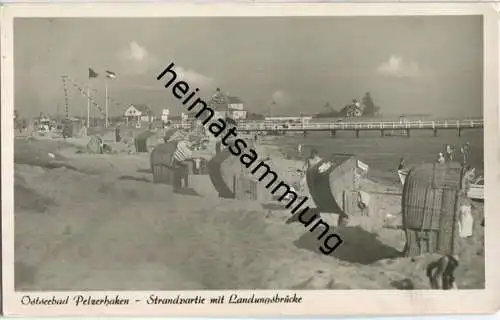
234 100
218 102
219 107
287 118
142 108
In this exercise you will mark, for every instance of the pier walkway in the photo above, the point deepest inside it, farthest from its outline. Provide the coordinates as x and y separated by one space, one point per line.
385 127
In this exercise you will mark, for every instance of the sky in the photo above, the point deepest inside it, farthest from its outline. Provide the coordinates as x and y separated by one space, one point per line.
420 65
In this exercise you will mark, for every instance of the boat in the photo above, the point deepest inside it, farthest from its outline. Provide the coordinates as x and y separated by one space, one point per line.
476 191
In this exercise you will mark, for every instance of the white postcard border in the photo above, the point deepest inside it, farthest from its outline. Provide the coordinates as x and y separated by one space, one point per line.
320 302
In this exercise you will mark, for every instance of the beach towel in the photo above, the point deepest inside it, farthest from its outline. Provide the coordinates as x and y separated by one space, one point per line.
465 221
183 152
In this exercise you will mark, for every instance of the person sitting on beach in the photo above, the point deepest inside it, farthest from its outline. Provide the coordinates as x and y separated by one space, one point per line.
299 149
465 151
402 164
312 160
440 158
448 153
468 179
184 152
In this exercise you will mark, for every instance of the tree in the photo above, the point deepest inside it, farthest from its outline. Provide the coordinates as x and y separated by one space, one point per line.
329 112
370 108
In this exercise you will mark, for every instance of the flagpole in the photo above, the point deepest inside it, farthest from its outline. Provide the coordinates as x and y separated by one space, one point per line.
88 105
107 98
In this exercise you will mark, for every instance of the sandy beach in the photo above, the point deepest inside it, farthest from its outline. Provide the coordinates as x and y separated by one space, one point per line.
97 222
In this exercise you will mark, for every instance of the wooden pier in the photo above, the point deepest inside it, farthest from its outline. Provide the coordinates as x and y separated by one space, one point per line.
402 128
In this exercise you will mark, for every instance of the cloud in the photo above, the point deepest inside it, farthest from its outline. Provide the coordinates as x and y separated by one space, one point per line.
194 78
135 52
398 67
136 59
281 97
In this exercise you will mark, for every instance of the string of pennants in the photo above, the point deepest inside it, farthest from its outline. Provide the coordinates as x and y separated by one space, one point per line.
82 92
110 99
66 103
94 92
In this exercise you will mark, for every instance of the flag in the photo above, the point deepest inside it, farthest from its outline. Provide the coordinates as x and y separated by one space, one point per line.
92 73
110 75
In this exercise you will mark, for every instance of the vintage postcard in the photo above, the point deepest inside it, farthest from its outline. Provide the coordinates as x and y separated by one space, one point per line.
250 160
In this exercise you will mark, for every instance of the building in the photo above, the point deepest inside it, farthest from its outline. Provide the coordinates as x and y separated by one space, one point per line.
164 115
224 106
139 112
220 110
355 109
219 104
235 108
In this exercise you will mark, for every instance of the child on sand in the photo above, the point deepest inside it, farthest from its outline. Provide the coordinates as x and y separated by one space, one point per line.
441 272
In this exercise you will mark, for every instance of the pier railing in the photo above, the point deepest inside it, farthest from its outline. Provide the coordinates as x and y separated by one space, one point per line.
352 125
362 125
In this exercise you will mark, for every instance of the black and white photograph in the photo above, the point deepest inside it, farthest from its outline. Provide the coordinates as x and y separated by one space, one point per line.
298 152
